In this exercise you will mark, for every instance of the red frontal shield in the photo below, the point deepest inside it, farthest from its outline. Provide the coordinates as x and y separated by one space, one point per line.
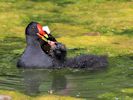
40 30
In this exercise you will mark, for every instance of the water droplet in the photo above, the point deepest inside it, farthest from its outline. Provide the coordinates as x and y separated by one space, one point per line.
116 98
78 94
50 91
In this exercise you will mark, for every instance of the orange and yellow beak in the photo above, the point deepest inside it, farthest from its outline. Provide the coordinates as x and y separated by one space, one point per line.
42 37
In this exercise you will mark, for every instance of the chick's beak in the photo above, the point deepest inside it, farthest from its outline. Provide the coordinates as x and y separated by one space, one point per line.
52 44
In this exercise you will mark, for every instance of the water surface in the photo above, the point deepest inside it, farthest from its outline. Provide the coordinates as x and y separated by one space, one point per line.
71 82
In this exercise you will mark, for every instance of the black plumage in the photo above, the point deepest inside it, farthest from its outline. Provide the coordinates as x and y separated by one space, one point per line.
35 55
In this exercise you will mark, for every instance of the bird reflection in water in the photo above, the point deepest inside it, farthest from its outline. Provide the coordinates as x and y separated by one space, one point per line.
44 81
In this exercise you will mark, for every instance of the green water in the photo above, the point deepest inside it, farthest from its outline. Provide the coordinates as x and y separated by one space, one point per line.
72 82
71 20
113 83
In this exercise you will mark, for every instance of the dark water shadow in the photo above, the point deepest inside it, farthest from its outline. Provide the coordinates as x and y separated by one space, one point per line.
128 32
8 44
106 29
13 39
125 65
57 2
10 50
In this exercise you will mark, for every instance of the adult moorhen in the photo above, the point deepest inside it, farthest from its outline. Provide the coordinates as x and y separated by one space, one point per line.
34 56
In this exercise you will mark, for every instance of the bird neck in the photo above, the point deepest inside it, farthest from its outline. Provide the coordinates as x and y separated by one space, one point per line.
31 41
